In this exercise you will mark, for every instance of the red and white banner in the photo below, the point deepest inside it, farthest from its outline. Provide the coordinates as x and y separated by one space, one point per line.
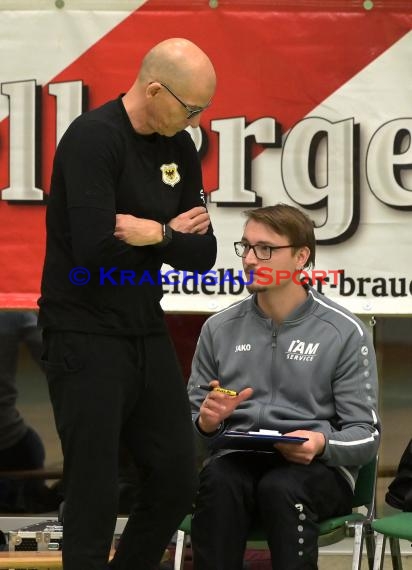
313 108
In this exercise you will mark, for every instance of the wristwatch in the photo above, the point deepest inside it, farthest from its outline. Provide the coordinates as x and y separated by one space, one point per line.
167 235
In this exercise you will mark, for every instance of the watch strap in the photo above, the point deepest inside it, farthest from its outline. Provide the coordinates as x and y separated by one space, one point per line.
167 235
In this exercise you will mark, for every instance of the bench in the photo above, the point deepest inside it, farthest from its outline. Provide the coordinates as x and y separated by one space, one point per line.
31 560
40 560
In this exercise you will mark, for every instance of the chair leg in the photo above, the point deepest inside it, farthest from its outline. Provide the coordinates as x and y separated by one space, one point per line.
180 550
357 546
379 552
370 544
395 553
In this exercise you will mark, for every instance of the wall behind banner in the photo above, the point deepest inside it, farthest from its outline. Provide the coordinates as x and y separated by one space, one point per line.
312 109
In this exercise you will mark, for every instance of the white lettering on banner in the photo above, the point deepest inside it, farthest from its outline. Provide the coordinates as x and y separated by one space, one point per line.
319 158
235 161
22 171
388 158
24 140
69 104
323 176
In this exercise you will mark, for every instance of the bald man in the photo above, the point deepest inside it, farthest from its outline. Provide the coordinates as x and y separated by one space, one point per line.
126 196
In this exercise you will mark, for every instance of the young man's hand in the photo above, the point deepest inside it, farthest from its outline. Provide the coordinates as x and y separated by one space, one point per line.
302 452
218 406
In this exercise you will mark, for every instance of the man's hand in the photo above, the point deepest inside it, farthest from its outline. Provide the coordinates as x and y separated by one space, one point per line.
194 221
302 452
140 231
218 406
137 231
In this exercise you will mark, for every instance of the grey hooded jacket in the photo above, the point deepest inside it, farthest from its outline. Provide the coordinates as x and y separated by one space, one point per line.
316 371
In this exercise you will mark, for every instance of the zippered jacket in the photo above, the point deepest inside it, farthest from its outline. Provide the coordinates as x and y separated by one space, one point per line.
316 371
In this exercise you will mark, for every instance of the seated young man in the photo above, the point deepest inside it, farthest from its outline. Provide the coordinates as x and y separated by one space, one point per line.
300 364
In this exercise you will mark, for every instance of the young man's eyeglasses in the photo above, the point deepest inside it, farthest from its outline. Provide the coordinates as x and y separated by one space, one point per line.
191 111
261 251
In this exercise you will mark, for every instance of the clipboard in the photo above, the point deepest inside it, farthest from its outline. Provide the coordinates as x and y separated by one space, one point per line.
254 441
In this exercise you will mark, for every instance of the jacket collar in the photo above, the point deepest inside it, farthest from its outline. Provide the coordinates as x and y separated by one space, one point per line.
297 314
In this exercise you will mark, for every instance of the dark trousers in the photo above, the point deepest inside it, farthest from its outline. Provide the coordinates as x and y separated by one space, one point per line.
105 389
287 499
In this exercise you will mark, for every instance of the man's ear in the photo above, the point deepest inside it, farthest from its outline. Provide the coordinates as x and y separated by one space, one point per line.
303 256
153 89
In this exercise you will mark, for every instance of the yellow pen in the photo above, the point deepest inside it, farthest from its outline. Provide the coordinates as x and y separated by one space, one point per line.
218 389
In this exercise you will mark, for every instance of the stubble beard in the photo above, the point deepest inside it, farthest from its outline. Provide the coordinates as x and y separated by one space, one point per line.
253 288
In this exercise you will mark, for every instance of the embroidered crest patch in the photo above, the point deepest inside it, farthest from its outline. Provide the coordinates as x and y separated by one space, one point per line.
170 174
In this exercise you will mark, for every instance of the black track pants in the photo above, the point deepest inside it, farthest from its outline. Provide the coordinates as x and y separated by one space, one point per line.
104 388
288 499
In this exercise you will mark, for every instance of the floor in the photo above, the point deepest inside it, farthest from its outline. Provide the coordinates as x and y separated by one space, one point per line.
338 556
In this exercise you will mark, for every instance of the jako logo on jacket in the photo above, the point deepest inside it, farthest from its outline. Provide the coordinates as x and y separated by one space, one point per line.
243 348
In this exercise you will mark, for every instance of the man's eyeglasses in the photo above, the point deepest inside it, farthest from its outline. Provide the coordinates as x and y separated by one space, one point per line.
262 252
191 111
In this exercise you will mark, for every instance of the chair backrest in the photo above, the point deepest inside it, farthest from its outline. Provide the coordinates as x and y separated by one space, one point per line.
365 488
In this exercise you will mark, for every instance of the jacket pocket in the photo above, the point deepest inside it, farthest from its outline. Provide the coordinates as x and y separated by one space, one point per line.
64 352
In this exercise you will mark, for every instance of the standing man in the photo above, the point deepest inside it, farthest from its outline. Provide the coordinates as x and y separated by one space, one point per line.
126 196
300 364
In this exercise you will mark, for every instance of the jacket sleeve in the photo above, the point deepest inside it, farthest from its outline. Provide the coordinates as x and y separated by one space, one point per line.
89 159
204 369
354 439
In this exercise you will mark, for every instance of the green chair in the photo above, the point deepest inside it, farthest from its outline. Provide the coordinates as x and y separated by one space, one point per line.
393 527
331 531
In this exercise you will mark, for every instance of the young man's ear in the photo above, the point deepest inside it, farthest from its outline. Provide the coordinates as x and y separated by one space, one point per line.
303 256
